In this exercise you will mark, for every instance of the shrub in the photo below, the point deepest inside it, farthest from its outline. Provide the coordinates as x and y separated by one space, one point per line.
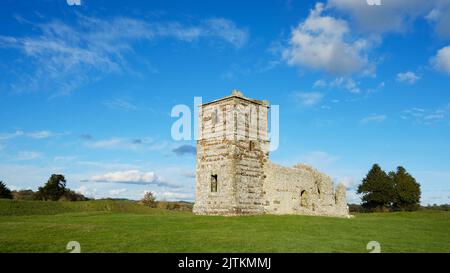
149 200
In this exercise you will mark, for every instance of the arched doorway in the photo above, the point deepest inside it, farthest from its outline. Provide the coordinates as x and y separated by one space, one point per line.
304 199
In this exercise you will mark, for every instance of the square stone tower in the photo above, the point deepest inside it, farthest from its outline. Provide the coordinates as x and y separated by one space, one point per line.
232 148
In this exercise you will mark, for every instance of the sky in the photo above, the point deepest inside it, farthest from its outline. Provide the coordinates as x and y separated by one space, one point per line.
87 88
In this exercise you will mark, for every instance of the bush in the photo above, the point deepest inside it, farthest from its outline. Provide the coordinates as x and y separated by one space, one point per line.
24 195
70 195
181 206
149 200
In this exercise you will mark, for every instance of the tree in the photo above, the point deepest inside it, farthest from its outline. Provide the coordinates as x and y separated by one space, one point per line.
149 199
377 189
407 190
4 191
53 189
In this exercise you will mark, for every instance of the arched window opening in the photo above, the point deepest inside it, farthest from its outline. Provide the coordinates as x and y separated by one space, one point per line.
304 199
214 183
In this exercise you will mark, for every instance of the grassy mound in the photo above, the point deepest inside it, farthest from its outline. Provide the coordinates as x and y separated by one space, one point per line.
20 207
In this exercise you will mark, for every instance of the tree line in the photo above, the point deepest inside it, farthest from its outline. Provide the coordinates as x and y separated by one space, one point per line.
393 191
53 190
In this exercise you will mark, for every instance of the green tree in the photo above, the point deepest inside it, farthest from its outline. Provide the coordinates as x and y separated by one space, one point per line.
377 190
53 189
407 190
149 199
4 191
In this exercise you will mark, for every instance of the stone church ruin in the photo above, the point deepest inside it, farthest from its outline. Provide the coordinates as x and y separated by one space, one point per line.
234 175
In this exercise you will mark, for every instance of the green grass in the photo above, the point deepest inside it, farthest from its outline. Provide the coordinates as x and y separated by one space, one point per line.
121 226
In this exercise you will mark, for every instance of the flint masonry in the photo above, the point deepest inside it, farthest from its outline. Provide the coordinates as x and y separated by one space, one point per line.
234 175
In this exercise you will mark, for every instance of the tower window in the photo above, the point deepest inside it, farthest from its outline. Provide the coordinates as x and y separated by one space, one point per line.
215 116
252 145
214 183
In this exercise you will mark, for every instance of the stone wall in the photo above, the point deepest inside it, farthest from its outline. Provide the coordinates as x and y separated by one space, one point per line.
301 190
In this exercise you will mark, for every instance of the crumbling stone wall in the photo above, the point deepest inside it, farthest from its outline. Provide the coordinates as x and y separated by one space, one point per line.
234 175
301 190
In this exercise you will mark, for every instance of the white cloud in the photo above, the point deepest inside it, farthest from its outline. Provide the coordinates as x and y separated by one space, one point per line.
6 136
323 43
117 192
126 176
74 2
353 197
121 104
144 144
308 98
373 118
318 159
27 155
340 82
65 57
408 77
346 83
130 177
434 117
348 181
168 195
64 159
88 192
395 15
36 135
320 84
40 134
426 116
441 61
226 30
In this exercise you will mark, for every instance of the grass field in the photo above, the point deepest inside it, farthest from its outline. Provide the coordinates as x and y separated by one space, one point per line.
121 226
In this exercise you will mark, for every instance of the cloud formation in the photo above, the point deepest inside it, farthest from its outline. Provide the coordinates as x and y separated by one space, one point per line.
426 116
441 61
121 104
64 57
373 118
395 15
323 43
185 149
340 82
407 77
27 155
74 2
35 134
135 177
307 99
116 143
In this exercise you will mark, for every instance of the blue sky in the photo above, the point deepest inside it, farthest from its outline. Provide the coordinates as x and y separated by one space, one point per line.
87 87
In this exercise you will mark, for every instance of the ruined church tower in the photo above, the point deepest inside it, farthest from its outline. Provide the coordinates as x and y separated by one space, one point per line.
232 148
234 175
